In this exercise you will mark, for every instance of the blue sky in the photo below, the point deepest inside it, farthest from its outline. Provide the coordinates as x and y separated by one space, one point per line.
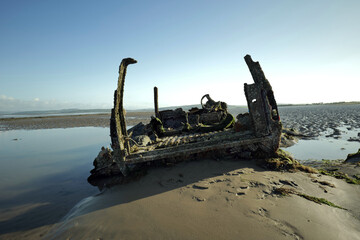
65 54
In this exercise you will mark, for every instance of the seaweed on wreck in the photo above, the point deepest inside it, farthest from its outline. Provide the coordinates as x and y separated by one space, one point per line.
287 191
350 155
283 161
176 135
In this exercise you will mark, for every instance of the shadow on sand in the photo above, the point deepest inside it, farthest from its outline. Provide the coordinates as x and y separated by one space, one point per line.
68 195
157 181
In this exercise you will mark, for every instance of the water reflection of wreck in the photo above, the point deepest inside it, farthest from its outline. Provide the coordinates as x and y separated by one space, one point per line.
175 135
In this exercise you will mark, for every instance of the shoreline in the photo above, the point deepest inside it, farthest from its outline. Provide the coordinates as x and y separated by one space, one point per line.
69 121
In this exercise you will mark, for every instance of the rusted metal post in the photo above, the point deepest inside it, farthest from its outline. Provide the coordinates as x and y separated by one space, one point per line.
259 107
118 130
260 79
156 103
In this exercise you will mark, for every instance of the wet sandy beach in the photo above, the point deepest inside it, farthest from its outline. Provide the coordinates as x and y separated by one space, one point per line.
211 193
312 120
69 121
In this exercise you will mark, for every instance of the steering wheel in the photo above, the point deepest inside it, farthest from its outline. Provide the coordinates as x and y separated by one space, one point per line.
201 102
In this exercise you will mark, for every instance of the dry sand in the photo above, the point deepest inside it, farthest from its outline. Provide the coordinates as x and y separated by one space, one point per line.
216 200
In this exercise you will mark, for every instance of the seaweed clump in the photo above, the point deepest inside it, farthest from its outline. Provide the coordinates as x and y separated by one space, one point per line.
287 191
283 161
157 126
357 154
353 158
341 175
284 191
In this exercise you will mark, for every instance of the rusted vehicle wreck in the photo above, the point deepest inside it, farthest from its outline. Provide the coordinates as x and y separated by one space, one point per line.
175 135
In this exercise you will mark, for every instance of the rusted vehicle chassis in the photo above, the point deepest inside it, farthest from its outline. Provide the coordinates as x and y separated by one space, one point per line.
255 134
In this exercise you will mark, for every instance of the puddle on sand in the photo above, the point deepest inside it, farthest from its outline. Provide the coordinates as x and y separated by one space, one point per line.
326 147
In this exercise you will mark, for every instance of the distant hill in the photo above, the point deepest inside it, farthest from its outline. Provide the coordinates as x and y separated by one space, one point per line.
63 111
315 104
233 109
75 111
53 113
184 107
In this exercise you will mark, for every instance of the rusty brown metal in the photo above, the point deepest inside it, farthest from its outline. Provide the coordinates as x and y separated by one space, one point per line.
118 132
260 98
156 103
258 131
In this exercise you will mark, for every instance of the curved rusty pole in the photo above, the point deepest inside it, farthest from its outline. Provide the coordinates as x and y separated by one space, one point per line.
118 132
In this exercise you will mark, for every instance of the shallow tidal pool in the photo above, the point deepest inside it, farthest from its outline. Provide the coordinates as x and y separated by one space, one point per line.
43 173
327 148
